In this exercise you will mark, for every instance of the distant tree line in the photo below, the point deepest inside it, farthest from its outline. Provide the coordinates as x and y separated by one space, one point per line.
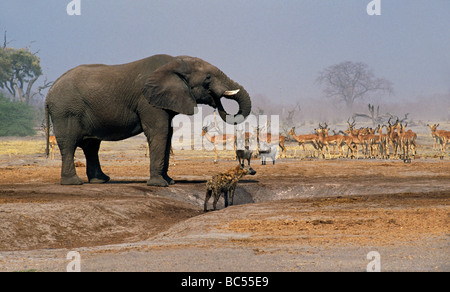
16 118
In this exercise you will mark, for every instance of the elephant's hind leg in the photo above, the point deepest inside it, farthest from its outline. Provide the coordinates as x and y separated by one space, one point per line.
67 148
93 169
169 151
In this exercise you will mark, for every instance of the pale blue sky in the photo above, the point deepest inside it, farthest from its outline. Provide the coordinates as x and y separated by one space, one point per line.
274 48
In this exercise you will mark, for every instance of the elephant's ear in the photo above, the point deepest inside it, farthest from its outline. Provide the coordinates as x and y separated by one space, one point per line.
168 88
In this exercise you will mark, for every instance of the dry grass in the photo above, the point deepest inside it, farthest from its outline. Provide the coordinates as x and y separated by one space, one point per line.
22 147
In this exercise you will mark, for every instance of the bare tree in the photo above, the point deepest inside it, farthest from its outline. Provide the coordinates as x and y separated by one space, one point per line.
291 114
376 117
350 81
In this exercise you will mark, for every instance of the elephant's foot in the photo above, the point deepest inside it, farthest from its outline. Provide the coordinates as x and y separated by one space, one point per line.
99 180
74 180
169 180
158 181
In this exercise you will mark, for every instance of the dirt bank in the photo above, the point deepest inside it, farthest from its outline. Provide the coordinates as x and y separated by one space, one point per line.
306 208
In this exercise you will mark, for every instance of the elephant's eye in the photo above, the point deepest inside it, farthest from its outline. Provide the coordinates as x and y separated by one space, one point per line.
207 80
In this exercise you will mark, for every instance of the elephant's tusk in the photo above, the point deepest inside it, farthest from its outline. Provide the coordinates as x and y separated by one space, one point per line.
231 92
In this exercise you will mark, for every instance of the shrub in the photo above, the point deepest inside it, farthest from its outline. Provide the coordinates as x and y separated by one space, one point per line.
16 118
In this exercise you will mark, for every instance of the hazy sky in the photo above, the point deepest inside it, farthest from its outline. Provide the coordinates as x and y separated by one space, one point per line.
271 47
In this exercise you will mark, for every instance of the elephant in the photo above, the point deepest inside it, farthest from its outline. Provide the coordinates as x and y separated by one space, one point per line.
93 103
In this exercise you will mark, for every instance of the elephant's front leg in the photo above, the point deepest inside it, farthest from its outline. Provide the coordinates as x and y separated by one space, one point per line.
157 146
156 124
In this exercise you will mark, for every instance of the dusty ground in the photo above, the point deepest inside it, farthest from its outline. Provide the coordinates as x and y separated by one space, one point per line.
296 215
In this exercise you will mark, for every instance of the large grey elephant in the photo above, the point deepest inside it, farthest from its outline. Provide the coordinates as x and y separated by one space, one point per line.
92 103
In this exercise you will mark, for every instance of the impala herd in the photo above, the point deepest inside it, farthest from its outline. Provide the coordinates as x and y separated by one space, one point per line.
372 142
396 142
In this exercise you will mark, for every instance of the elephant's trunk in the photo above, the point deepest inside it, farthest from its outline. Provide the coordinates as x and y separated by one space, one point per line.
239 94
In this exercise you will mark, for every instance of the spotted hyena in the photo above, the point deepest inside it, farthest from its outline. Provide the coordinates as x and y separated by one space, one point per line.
225 183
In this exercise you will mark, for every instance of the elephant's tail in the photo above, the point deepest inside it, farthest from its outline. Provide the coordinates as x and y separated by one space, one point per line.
47 131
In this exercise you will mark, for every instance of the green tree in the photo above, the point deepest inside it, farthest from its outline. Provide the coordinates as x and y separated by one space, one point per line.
16 118
19 70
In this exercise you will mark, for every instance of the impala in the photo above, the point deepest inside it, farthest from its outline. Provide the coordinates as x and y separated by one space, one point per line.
434 135
52 147
442 136
306 139
406 141
51 143
368 142
325 140
221 140
382 139
393 139
437 134
444 139
267 137
352 140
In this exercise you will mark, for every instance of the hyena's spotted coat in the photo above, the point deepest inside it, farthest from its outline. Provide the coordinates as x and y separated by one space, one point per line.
225 183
